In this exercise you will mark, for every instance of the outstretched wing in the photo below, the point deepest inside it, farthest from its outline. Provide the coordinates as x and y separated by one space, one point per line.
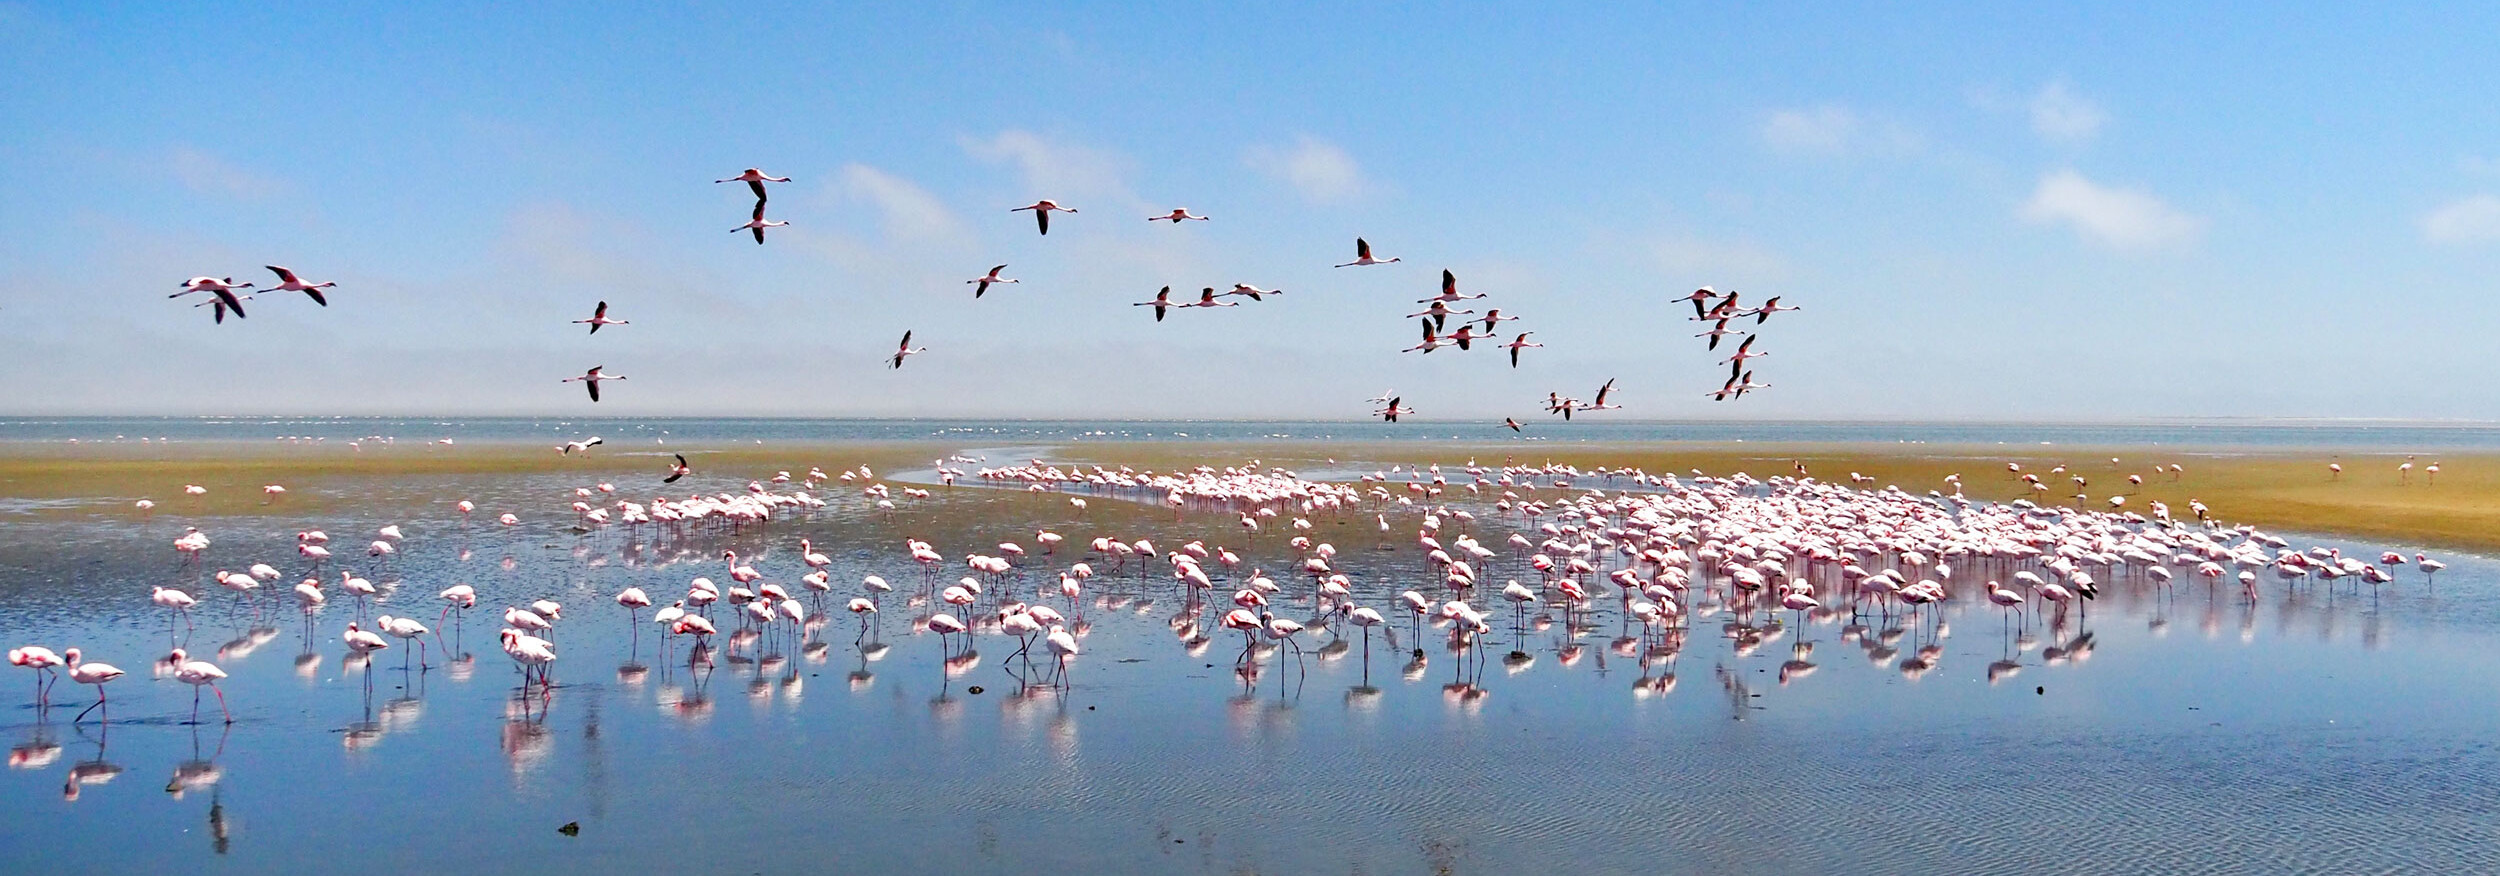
594 389
758 186
316 297
1362 248
1449 282
1042 218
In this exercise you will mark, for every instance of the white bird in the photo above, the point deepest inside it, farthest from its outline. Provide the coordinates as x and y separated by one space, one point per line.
592 377
982 283
757 223
599 317
905 351
1363 255
288 282
755 179
198 674
224 290
1041 212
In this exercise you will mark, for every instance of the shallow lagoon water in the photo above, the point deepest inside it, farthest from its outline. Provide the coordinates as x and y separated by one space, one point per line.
2171 732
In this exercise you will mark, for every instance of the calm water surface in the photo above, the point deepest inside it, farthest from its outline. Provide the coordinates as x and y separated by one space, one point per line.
2164 732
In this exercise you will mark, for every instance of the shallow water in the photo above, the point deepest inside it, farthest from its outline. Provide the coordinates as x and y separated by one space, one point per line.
2321 731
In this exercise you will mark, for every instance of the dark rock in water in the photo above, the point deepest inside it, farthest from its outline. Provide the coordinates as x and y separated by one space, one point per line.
570 828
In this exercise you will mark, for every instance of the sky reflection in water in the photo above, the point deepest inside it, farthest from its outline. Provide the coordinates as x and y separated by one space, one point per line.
2180 731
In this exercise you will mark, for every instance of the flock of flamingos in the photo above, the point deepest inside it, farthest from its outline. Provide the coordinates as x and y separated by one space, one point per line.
1722 312
1657 549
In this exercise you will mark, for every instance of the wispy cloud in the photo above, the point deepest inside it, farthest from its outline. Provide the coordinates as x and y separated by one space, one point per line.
1320 170
1054 168
2058 113
1833 130
1713 261
904 209
210 175
2469 220
2121 218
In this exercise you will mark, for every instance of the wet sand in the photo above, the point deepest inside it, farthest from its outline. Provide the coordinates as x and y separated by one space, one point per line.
2459 509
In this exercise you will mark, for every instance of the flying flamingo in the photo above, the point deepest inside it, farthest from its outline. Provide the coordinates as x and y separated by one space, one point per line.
288 282
1763 313
1517 344
223 290
1162 303
591 379
1720 330
982 283
757 223
679 470
905 351
1206 298
599 318
1363 255
1041 212
1391 412
1175 217
1701 300
755 179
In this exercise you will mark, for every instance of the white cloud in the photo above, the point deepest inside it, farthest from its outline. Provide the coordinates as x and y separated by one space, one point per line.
210 175
1054 169
1834 130
904 209
2471 220
2057 113
1321 171
1707 261
2121 218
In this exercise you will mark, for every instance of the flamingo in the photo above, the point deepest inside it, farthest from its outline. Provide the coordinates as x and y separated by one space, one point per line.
198 674
755 180
591 379
905 351
1162 303
288 282
982 283
1041 212
1363 255
405 629
176 600
634 601
599 317
679 470
1174 217
536 654
46 666
756 224
1063 646
98 674
223 290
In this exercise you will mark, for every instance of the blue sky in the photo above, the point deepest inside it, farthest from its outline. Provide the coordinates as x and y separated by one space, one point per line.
2046 212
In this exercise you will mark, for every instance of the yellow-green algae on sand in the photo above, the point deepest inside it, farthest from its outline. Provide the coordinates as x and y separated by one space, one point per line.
2458 507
